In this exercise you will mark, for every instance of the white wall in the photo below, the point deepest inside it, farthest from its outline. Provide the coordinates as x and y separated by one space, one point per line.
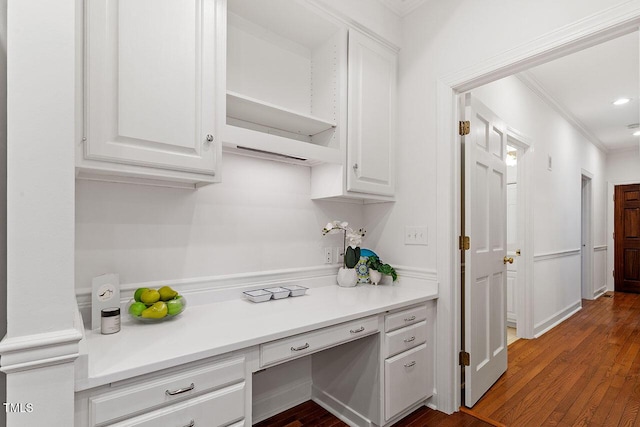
440 38
259 218
623 167
40 200
3 188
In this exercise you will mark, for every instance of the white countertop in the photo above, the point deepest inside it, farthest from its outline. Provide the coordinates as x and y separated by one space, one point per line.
207 330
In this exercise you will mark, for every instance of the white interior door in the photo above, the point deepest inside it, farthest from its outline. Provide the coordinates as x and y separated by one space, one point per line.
485 270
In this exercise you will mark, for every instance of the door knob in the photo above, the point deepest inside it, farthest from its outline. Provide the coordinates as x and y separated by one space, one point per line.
508 260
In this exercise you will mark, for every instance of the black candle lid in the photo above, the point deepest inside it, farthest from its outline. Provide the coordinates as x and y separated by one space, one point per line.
110 312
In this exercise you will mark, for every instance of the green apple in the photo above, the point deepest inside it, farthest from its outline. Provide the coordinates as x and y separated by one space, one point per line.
175 306
137 308
138 293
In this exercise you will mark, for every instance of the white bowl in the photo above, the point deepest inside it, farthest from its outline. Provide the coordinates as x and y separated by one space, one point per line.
278 292
259 295
296 290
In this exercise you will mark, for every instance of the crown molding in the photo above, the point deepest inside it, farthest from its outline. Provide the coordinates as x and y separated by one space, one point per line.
536 87
402 7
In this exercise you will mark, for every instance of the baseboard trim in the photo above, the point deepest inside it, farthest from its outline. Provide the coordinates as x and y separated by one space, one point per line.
344 413
554 320
599 292
280 402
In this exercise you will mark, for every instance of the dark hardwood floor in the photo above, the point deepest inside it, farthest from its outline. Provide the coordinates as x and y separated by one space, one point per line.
310 414
583 372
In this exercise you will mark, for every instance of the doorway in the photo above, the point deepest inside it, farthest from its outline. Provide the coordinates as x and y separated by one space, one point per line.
586 246
627 238
583 34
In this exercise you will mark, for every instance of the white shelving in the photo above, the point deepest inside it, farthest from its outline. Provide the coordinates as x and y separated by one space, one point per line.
266 114
286 80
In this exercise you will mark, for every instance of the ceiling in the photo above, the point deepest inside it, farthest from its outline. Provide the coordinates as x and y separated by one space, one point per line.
582 87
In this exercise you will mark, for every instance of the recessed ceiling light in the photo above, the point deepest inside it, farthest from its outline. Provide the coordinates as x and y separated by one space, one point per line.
621 101
636 133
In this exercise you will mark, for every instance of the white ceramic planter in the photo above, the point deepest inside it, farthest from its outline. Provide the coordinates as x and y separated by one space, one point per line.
374 276
347 277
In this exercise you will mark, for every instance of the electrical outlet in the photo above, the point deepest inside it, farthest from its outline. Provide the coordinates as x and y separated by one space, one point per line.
339 255
328 255
417 235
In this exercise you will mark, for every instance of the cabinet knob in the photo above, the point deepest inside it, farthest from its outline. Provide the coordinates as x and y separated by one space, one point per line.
355 167
209 137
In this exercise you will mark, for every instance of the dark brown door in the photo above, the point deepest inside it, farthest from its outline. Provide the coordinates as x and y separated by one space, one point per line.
627 238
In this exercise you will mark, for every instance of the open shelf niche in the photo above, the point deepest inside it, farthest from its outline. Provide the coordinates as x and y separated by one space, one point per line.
286 80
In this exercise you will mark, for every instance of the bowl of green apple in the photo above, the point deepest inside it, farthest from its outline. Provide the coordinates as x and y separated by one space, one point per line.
156 305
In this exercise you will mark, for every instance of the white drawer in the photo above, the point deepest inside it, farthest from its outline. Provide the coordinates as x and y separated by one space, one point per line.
216 409
164 390
310 342
405 318
405 338
406 378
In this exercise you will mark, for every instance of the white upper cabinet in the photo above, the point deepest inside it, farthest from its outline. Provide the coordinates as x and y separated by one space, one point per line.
367 173
153 71
286 79
372 116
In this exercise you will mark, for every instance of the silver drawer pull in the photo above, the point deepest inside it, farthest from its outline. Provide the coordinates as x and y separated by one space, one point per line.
180 390
302 347
360 329
410 364
191 424
410 339
410 319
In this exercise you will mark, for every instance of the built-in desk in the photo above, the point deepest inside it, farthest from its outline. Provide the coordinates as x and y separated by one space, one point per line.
201 364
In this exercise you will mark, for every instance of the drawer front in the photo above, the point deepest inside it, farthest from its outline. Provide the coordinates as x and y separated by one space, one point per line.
216 409
165 390
405 318
310 342
405 339
406 380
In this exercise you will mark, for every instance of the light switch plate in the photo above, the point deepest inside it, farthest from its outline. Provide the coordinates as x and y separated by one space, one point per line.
416 235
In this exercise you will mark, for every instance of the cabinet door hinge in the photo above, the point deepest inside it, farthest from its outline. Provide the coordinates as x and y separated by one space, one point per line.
464 127
464 358
464 243
613 274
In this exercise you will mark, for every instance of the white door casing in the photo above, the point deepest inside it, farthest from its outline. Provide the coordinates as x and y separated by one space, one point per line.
151 83
485 272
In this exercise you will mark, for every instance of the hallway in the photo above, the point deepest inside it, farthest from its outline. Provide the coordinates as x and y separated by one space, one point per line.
583 372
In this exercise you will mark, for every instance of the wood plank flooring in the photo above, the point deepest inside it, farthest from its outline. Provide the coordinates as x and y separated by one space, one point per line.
583 372
310 414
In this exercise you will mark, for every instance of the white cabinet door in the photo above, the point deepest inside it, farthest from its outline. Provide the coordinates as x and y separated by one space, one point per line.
151 83
371 116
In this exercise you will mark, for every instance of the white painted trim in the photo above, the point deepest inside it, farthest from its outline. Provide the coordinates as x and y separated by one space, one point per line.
602 26
276 403
599 248
555 255
417 273
525 277
599 292
39 350
344 413
536 87
349 22
555 319
402 7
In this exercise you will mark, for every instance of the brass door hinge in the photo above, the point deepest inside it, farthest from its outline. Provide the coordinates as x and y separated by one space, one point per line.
464 358
464 127
464 243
